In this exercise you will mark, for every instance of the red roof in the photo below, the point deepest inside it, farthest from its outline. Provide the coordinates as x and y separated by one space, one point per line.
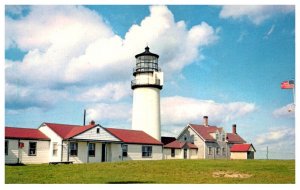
178 144
68 131
24 133
235 138
241 148
204 131
133 136
175 144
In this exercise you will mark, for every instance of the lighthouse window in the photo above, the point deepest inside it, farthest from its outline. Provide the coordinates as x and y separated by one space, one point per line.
146 151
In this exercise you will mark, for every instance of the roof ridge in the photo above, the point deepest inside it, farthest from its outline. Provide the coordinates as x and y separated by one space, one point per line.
76 128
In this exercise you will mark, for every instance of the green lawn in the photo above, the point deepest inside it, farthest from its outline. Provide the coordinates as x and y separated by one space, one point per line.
162 171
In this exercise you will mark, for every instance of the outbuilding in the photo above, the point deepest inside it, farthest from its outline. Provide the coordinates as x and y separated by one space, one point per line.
242 151
26 146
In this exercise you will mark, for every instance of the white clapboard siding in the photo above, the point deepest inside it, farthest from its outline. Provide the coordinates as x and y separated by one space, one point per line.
54 139
12 156
82 153
97 157
135 152
167 154
190 134
238 155
92 134
42 152
193 154
114 152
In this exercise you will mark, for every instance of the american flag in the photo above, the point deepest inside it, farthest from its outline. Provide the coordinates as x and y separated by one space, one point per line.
289 84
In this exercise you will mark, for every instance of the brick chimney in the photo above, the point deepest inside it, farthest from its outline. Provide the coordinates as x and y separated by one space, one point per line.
92 122
234 128
205 121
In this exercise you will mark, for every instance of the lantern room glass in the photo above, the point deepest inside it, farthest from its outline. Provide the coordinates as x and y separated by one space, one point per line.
146 63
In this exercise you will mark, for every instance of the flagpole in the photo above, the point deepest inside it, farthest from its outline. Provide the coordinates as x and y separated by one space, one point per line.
294 105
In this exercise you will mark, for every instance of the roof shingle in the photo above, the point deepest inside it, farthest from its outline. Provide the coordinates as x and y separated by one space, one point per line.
235 138
241 148
24 133
205 131
68 131
179 144
133 136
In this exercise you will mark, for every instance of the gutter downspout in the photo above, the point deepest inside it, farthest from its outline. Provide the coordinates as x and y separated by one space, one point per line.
62 149
18 151
68 153
87 145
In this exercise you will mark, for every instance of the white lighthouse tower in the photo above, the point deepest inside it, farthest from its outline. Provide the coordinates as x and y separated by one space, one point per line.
146 94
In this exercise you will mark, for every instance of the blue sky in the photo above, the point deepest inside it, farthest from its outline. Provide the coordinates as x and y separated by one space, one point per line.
226 62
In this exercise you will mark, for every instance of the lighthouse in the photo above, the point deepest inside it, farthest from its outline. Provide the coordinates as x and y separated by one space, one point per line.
146 86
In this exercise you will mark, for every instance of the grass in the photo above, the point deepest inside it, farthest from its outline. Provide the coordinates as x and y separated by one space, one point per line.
161 172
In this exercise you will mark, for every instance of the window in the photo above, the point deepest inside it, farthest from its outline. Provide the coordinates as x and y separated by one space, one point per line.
217 136
224 151
209 150
73 148
223 137
55 149
91 149
6 147
185 138
218 150
173 152
98 130
124 150
32 149
146 151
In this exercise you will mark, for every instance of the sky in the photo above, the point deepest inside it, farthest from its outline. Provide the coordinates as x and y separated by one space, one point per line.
226 62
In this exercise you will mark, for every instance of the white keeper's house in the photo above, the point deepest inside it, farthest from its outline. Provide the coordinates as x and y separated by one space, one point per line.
65 143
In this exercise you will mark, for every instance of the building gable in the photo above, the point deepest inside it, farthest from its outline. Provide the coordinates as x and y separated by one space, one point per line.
96 133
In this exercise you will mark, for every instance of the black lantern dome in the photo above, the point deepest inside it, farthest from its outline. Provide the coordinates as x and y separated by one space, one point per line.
146 62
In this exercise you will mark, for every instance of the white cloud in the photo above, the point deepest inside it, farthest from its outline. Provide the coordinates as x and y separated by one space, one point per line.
103 111
276 135
255 13
73 46
176 112
182 110
74 42
19 97
287 111
280 142
113 91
